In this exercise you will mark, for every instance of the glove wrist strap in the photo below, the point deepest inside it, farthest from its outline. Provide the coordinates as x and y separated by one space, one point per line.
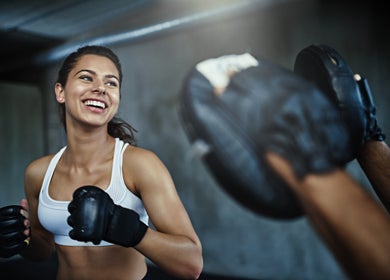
125 228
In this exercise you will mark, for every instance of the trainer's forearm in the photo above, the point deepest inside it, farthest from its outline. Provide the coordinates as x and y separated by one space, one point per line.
374 158
355 228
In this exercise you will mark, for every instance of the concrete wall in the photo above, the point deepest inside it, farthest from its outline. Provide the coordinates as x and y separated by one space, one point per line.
21 128
236 242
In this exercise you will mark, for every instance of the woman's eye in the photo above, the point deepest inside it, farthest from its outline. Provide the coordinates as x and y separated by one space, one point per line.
86 78
112 84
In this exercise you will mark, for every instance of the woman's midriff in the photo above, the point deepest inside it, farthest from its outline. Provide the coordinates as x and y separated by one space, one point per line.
103 262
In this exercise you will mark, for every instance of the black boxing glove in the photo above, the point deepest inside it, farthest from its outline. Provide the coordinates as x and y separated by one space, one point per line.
94 217
326 67
12 238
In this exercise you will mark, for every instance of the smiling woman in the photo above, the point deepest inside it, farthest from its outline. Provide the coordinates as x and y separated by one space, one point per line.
91 201
88 77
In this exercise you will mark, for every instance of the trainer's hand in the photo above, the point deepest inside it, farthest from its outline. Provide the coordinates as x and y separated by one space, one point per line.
14 230
283 168
94 217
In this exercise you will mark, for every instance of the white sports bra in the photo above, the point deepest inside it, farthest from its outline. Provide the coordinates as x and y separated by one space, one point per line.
53 214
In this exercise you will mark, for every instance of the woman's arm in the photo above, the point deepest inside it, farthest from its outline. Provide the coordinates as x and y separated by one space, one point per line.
41 245
174 245
354 227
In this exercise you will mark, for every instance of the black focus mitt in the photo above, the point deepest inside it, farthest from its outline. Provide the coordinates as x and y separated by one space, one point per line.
351 93
263 107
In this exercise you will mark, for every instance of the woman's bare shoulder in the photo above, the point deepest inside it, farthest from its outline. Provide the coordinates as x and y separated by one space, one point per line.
140 161
137 154
36 169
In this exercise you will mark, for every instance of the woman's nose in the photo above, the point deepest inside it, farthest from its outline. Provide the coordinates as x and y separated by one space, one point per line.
102 89
99 87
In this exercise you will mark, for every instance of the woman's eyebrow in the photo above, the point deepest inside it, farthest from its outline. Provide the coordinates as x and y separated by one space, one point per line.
85 70
112 76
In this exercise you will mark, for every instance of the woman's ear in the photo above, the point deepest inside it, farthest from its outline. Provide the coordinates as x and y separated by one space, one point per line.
59 90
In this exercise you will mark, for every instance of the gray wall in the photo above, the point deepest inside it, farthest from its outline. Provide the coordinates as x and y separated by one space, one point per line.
235 241
21 128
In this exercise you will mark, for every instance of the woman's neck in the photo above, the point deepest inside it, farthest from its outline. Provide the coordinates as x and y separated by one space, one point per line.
89 148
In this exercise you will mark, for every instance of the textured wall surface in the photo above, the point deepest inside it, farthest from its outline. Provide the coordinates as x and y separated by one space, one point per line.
22 137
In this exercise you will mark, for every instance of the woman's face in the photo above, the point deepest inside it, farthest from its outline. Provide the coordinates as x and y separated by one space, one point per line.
92 92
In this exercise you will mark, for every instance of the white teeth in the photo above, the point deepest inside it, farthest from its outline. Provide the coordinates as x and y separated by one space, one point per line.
95 103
